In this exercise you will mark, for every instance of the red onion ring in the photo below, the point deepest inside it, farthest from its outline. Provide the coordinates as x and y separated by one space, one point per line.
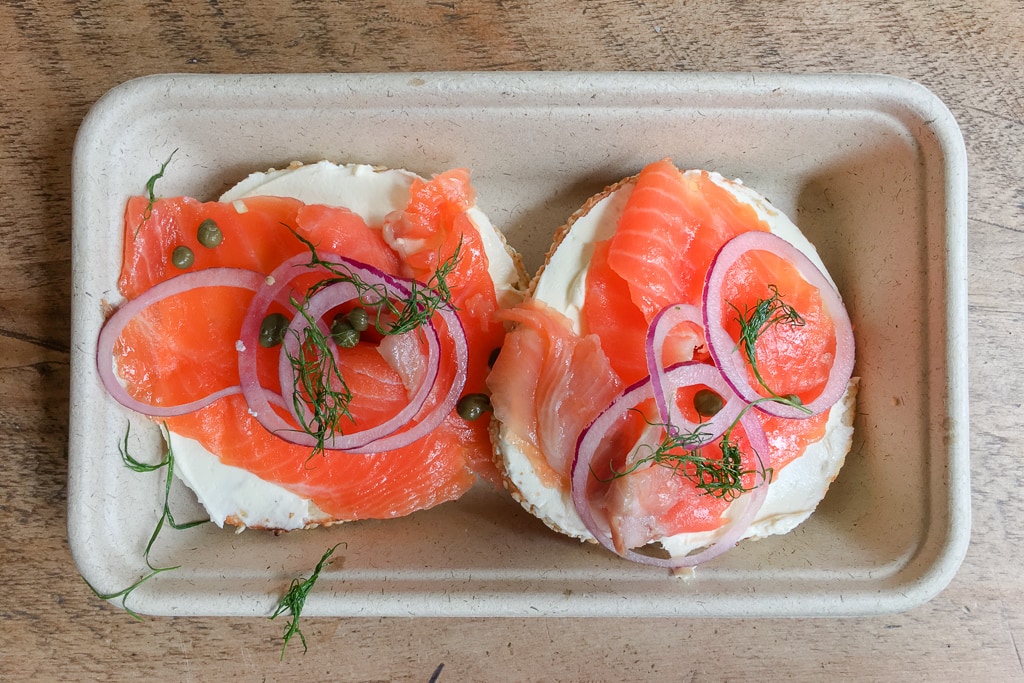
382 436
679 376
114 326
723 347
375 439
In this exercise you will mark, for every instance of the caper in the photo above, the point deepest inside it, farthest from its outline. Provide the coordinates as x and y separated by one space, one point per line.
794 399
472 406
707 403
493 358
182 257
272 330
209 234
343 333
359 319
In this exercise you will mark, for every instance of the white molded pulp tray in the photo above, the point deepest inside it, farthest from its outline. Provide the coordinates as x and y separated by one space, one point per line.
872 168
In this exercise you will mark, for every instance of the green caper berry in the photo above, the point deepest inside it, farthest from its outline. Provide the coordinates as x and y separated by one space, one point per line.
182 257
272 330
209 234
472 406
359 319
794 399
343 333
707 403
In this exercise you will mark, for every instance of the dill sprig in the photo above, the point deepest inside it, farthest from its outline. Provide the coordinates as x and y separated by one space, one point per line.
316 377
136 465
166 462
755 322
151 190
294 600
125 592
684 453
727 478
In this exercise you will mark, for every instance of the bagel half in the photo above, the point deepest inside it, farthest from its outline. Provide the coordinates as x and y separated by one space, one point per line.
537 473
234 495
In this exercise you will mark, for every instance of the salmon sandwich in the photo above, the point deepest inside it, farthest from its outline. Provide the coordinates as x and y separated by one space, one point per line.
316 342
679 374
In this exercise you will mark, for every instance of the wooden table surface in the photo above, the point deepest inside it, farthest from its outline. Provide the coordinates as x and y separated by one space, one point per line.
59 57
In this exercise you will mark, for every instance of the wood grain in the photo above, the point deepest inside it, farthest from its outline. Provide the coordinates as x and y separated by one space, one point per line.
60 57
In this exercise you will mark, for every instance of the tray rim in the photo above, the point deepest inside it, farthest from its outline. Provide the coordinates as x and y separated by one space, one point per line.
903 98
